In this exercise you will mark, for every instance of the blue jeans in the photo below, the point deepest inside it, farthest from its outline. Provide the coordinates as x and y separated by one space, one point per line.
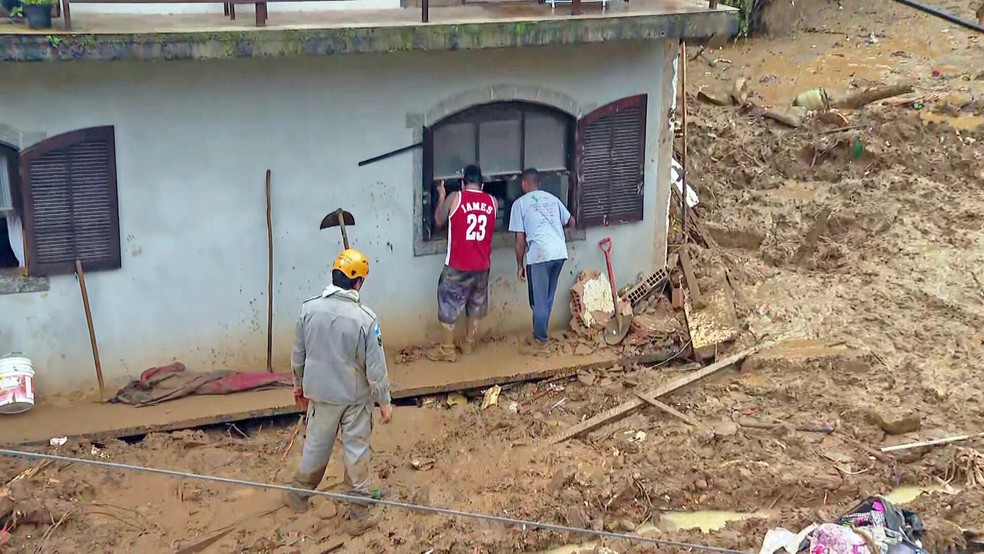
542 279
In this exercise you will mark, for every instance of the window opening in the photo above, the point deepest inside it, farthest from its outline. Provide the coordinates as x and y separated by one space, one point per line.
11 235
503 139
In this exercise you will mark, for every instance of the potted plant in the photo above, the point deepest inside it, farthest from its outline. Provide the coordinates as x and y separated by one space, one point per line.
38 13
10 5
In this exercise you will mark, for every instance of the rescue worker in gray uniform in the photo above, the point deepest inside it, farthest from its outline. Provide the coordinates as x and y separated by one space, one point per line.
339 371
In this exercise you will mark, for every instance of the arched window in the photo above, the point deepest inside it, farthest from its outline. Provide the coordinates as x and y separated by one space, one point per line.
502 138
595 165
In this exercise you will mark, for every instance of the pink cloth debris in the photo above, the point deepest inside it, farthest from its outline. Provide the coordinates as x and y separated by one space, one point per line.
160 384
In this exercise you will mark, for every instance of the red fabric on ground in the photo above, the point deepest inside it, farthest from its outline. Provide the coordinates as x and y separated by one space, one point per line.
160 384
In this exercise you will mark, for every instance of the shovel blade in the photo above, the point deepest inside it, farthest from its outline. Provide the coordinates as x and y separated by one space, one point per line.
338 216
616 329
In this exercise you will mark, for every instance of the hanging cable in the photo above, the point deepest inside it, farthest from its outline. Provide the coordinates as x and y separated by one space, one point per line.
942 15
524 524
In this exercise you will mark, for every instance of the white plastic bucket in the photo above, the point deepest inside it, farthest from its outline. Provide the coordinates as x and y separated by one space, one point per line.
16 385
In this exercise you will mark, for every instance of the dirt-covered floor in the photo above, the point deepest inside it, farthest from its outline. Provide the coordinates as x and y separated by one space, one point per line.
865 241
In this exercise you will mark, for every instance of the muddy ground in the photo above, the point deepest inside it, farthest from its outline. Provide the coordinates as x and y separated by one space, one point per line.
871 253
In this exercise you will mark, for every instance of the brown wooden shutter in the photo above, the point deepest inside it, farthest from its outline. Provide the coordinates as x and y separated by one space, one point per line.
611 154
71 209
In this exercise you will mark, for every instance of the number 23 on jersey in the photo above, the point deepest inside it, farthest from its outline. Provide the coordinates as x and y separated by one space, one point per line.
477 225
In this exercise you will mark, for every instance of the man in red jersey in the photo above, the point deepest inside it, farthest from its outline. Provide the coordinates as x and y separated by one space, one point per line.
464 282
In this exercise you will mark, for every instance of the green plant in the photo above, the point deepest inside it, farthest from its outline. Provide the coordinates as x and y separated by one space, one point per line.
744 14
17 11
54 41
37 2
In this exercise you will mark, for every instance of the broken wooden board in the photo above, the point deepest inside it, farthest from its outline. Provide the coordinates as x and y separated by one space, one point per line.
100 421
634 404
688 273
712 324
667 408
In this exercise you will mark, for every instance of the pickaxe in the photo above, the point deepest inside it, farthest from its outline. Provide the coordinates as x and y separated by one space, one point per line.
339 218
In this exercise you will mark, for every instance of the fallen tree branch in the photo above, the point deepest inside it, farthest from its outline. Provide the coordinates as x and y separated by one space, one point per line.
753 423
30 472
633 404
869 95
873 452
221 533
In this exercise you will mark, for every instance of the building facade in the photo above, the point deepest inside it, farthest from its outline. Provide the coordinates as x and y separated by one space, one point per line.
153 175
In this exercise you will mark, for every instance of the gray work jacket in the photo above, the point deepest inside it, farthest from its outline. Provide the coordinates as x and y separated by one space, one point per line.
338 351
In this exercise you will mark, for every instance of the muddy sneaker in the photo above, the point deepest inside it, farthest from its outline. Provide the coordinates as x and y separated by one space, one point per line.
467 346
442 353
534 347
360 520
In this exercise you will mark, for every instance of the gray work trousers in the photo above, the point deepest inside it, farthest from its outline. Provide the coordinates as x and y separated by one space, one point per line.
323 422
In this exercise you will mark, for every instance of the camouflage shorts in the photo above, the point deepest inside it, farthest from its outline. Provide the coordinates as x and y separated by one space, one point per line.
462 290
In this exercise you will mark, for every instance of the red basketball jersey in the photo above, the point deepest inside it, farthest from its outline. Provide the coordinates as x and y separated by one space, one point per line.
470 228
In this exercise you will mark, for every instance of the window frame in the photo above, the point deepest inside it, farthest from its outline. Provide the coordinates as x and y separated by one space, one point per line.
638 102
12 156
473 114
35 267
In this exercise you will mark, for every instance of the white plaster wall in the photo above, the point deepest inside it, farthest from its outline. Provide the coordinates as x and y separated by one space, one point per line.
193 142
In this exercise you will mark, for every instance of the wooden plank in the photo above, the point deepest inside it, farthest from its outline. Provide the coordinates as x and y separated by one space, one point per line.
689 275
101 421
633 404
667 408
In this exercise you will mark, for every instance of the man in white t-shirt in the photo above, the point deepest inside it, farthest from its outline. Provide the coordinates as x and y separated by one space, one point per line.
538 219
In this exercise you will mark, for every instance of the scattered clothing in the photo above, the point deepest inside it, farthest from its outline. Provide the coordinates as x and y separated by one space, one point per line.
874 526
160 384
831 538
541 216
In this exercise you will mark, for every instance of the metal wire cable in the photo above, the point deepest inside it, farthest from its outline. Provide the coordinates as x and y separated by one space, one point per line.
525 524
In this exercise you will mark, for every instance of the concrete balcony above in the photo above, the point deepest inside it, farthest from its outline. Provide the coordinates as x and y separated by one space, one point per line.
118 36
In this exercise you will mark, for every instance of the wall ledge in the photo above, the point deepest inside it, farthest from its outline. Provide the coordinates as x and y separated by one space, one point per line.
15 283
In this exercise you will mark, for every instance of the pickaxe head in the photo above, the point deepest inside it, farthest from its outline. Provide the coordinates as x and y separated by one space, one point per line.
337 218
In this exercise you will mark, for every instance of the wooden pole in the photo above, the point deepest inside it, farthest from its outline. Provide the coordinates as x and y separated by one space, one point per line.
92 330
936 442
269 223
683 150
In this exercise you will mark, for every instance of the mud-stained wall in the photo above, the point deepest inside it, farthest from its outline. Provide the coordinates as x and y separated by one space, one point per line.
193 142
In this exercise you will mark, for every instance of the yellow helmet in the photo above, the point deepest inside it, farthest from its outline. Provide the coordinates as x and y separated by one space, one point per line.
352 263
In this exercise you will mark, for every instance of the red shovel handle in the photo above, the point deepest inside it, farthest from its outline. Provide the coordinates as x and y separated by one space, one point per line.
606 247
